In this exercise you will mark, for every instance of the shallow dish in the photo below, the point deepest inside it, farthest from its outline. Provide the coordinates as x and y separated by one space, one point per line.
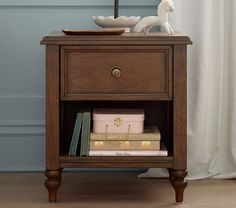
119 22
94 32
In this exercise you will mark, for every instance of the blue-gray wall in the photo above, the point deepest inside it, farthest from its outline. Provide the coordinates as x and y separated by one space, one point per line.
22 75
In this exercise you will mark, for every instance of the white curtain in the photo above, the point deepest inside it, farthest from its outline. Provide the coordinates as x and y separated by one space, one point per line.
211 24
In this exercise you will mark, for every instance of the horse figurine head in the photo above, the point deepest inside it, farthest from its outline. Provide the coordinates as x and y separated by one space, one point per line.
168 5
147 23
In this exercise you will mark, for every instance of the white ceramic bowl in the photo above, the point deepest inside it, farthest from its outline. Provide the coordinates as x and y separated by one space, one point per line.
120 22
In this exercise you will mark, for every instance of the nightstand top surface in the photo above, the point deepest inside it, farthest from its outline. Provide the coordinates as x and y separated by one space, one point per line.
59 38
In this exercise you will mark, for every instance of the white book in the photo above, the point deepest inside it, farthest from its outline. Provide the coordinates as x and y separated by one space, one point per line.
127 153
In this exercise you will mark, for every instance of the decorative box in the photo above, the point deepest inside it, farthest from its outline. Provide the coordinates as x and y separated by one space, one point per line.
107 120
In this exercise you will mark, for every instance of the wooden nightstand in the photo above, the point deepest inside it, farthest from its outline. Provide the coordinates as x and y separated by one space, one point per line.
131 70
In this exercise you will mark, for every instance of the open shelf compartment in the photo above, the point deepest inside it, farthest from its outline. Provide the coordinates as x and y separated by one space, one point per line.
157 113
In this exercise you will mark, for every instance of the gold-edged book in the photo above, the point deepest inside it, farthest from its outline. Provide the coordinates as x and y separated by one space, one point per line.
124 145
150 134
162 152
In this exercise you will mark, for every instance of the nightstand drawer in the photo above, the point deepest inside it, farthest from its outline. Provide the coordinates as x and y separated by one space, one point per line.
112 70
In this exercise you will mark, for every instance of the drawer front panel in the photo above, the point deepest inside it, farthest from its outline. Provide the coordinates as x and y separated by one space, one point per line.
104 71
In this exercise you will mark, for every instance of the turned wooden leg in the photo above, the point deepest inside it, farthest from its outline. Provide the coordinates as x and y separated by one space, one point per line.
52 183
179 183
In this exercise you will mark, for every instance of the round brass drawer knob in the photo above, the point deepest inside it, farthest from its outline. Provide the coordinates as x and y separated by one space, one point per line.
116 72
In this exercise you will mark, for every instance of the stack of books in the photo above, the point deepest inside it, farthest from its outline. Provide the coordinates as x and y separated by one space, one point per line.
85 143
115 144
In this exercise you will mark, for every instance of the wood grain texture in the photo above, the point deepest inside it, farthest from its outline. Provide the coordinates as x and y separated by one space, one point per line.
180 108
52 184
52 107
117 162
87 71
153 77
179 183
153 39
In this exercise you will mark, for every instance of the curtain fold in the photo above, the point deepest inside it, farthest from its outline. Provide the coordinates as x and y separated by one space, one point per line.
211 86
211 25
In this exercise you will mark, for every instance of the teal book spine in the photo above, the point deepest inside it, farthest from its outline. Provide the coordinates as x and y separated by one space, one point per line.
84 149
76 135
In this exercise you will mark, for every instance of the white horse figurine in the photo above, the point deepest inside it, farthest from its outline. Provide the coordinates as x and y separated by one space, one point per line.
147 23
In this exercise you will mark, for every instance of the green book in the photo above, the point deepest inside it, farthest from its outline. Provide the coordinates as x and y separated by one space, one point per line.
84 148
76 135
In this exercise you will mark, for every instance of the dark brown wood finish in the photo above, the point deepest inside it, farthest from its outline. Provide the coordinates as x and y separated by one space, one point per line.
52 120
153 39
52 107
180 108
85 67
116 162
52 183
154 77
180 121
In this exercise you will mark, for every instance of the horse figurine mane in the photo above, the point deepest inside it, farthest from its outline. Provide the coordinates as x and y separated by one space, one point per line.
147 23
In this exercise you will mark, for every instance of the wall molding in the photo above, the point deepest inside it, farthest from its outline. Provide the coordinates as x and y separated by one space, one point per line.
22 128
64 3
22 116
22 169
22 96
